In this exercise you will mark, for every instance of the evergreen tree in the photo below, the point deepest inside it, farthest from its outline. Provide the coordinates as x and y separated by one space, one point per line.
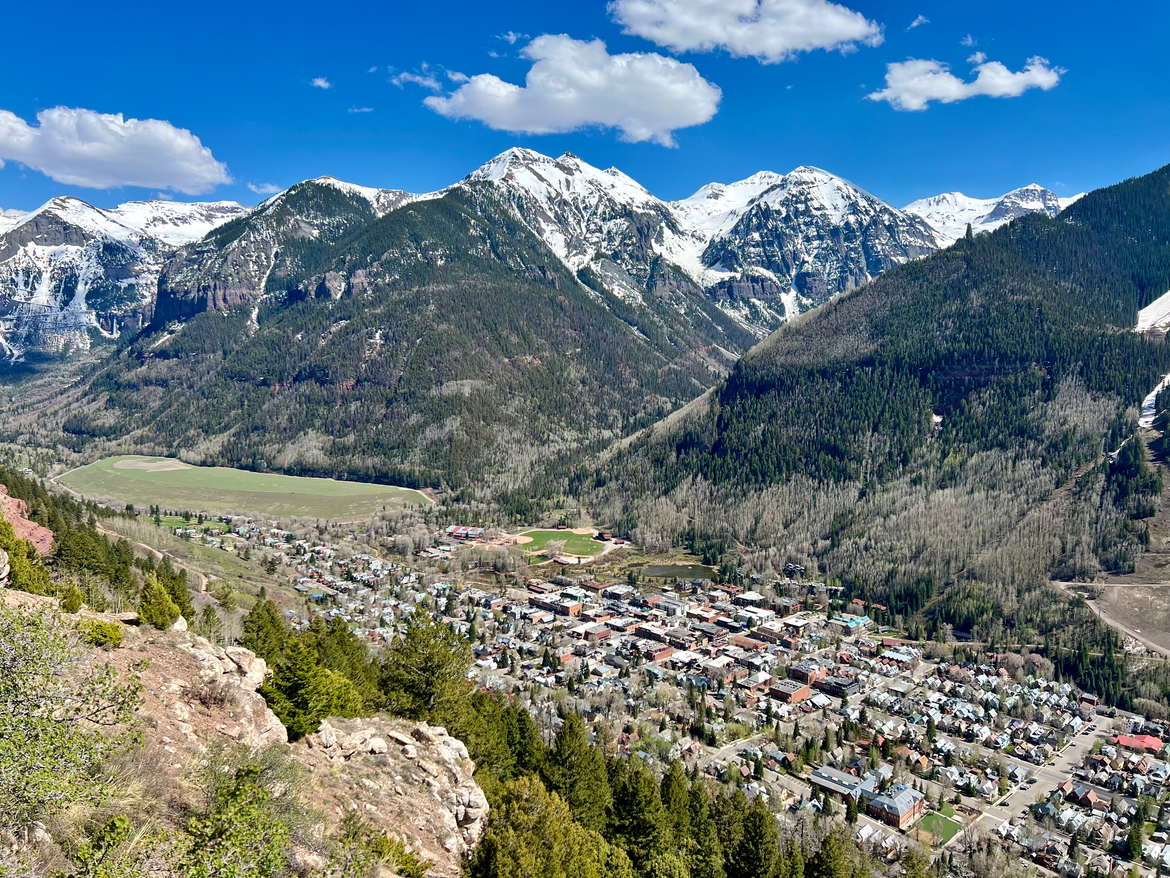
756 854
1133 844
640 824
833 858
792 866
265 631
301 693
676 799
705 853
424 674
155 606
532 833
576 772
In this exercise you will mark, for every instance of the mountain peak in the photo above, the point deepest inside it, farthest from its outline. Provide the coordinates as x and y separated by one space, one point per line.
515 156
950 213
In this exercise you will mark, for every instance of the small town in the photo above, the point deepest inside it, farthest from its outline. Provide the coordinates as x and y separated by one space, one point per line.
779 687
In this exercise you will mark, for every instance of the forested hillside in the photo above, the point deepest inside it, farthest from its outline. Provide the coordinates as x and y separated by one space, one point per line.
936 440
441 344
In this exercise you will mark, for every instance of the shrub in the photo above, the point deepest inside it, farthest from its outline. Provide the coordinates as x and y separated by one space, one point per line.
71 599
104 635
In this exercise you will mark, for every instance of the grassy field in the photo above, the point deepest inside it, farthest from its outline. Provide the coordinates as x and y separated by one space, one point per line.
575 544
937 824
172 484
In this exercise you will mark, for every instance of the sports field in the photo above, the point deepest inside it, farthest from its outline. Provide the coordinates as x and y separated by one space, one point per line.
172 484
942 827
575 543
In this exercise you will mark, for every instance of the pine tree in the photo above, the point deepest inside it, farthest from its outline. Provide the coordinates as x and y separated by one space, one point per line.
676 799
1133 844
833 858
301 693
424 675
792 865
155 606
756 854
576 772
532 832
640 825
265 632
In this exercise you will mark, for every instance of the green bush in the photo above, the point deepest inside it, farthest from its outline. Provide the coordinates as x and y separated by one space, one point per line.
155 607
71 599
104 635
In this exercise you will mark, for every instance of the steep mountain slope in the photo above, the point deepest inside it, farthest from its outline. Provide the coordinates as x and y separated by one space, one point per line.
910 438
69 268
763 248
233 267
811 233
441 343
950 213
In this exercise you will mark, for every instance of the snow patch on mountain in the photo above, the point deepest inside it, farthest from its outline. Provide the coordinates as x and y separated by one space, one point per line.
69 267
951 212
1155 316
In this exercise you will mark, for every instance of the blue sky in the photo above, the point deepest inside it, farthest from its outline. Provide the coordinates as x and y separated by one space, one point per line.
239 77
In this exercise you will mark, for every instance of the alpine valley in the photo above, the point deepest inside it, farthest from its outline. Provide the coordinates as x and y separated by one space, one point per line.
535 309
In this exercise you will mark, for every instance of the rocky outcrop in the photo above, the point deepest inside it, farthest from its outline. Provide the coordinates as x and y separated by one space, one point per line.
230 676
413 779
195 694
15 512
3 569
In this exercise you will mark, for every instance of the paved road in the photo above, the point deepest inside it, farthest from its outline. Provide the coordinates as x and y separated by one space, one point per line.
1048 776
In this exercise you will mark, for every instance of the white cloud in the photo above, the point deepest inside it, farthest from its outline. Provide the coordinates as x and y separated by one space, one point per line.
372 70
426 79
913 84
105 151
769 30
977 58
968 41
265 188
576 84
511 37
361 109
918 22
456 76
321 82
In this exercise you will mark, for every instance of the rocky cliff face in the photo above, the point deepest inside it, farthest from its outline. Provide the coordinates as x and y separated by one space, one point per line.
414 779
68 269
259 254
815 235
15 512
195 693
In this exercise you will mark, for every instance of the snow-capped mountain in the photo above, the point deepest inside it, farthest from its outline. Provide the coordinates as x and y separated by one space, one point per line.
765 248
950 212
760 250
224 271
601 220
68 267
809 231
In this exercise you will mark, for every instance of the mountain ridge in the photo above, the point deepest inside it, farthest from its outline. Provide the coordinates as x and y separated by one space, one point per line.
760 250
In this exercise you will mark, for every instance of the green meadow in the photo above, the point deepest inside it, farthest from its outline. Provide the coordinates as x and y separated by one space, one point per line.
172 484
